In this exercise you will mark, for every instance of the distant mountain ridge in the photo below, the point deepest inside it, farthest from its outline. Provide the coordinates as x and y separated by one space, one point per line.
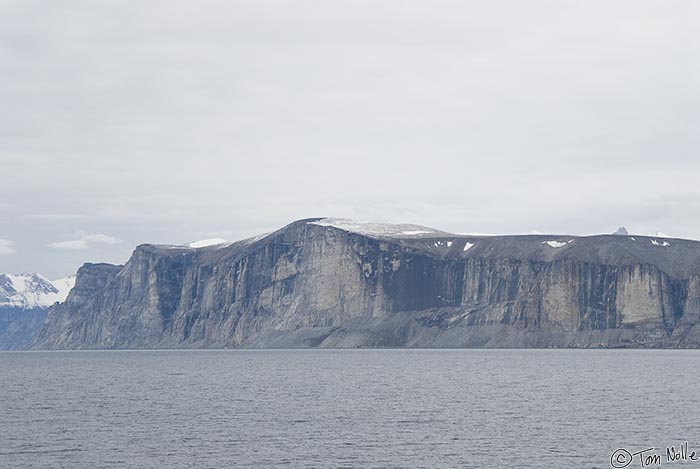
24 299
32 290
338 283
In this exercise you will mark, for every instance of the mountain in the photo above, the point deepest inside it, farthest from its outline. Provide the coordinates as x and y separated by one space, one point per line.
24 299
32 290
336 283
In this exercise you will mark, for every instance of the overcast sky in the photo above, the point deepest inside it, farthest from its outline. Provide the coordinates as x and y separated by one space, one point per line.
168 121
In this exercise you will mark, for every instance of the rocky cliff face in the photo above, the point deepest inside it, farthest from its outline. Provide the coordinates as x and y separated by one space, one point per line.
19 326
328 283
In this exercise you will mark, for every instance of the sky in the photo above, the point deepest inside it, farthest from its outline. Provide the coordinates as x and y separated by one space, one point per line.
164 121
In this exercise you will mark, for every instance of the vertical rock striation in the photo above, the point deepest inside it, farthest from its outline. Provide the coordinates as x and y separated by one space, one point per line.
328 283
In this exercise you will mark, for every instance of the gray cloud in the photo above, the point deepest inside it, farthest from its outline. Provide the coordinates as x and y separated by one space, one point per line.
164 120
56 216
6 247
85 241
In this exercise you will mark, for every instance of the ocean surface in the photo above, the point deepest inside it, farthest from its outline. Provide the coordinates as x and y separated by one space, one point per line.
347 408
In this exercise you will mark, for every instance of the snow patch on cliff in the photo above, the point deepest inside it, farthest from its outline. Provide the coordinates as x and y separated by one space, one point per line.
206 242
556 244
377 229
414 232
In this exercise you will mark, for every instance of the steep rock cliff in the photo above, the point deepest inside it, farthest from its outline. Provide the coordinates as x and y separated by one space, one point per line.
19 326
328 283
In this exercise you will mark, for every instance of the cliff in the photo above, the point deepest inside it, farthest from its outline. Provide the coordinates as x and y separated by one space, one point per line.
329 283
19 326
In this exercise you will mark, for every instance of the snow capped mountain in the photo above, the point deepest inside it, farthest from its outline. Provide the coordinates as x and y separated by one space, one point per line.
32 290
64 286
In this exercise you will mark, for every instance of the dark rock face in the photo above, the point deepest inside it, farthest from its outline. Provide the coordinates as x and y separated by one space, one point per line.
312 284
19 326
